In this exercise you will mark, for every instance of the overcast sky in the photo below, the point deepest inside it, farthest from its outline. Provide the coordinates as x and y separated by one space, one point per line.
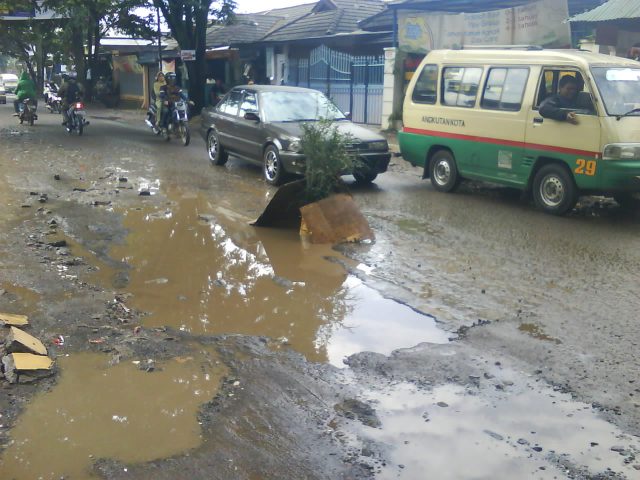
247 6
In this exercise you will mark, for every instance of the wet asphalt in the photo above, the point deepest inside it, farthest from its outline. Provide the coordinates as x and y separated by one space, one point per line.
475 338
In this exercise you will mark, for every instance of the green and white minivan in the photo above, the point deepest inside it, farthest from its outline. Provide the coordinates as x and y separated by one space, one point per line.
474 114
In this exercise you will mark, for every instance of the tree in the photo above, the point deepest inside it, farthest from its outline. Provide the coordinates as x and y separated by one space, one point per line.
188 21
90 20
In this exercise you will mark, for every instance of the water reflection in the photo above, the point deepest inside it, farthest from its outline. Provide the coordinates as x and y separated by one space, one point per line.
197 267
120 412
448 434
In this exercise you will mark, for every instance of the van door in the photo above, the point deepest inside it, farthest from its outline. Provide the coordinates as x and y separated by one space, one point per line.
576 145
505 119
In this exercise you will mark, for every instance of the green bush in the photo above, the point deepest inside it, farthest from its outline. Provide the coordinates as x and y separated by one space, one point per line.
327 157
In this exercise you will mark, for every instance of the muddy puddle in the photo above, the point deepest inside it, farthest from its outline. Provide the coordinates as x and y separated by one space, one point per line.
198 267
121 412
523 432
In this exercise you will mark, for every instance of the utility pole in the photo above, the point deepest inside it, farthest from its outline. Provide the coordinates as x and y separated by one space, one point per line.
159 40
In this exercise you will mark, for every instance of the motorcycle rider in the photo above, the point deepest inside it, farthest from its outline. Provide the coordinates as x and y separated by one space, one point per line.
25 89
169 94
69 92
156 95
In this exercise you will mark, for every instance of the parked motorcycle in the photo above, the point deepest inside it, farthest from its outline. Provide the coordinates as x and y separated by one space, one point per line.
76 118
53 102
177 122
27 111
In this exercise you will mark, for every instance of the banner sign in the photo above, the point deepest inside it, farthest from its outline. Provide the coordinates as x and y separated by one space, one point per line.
20 10
187 55
127 63
541 22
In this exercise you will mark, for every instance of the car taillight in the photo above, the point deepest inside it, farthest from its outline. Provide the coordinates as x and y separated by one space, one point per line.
79 106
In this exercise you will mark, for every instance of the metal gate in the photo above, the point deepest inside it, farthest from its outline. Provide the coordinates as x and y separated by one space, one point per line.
354 83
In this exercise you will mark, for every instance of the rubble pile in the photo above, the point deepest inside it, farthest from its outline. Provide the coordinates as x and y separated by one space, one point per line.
24 357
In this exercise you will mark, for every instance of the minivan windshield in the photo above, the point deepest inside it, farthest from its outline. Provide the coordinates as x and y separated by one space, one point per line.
619 88
282 106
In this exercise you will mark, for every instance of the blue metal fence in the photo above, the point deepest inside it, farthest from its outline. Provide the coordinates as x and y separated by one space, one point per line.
354 83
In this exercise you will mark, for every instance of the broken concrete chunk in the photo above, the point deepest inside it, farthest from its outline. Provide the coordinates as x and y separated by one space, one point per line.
19 341
26 367
12 319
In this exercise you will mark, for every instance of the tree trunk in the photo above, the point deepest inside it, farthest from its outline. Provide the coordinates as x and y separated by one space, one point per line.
77 51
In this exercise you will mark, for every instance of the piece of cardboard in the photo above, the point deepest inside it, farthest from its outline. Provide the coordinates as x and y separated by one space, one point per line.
12 319
19 341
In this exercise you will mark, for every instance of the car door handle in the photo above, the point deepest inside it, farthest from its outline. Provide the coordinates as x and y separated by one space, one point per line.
538 120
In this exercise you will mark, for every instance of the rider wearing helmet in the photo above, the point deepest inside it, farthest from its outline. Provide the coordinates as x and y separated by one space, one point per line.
169 94
70 92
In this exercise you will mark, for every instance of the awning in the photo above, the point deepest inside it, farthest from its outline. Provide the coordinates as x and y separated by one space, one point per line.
611 11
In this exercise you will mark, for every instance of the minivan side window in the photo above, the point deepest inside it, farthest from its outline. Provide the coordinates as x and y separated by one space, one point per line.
460 86
426 86
504 89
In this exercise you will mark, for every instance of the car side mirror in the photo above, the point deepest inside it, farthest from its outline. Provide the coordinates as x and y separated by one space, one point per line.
347 115
252 116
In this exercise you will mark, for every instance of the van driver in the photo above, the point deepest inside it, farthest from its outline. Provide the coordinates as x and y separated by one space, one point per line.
555 107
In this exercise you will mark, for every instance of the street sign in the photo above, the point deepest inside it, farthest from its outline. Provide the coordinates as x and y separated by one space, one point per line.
187 55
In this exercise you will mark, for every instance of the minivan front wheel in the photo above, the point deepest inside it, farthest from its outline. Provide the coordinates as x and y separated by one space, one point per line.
554 190
443 171
273 171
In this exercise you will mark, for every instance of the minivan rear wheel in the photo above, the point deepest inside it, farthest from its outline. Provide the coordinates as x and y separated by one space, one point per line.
554 190
443 171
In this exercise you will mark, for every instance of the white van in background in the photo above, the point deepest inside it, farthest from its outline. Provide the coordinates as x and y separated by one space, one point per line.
10 81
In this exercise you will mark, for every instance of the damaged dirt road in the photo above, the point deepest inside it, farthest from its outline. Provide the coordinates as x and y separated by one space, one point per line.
476 338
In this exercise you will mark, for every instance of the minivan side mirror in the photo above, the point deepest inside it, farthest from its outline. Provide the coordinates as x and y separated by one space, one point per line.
252 116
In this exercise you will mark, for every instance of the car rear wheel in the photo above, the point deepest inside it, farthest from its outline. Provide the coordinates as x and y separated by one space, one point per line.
443 171
273 170
554 190
217 154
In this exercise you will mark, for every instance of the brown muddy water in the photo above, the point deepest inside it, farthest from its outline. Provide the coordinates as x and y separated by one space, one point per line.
98 410
197 267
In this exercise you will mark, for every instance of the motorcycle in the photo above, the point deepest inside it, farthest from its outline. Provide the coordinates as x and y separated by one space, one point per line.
76 118
151 120
177 122
27 111
53 102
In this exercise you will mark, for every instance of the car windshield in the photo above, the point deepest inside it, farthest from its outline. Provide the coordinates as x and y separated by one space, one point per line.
282 106
619 88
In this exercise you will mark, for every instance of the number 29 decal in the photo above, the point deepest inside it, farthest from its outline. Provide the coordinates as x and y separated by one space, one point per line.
584 167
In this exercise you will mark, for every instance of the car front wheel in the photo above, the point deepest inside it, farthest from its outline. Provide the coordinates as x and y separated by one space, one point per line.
217 154
364 178
273 170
